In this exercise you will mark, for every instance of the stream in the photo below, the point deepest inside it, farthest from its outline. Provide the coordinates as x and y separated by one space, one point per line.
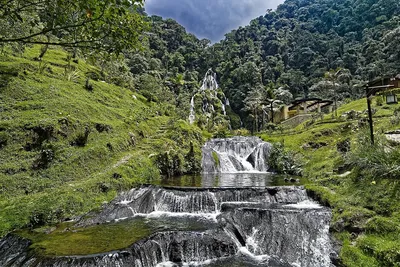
235 214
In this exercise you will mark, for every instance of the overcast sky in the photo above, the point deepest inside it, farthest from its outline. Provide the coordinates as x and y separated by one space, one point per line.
210 19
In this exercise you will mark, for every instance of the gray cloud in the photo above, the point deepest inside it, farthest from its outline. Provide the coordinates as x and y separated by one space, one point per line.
210 18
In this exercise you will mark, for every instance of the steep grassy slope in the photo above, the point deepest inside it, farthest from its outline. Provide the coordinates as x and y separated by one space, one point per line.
64 149
365 202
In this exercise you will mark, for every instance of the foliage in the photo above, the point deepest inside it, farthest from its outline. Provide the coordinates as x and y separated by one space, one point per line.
283 161
170 163
363 198
216 158
64 150
96 25
375 161
330 46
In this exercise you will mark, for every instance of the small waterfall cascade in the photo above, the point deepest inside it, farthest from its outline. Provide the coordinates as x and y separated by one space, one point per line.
210 82
171 200
270 226
210 95
278 226
237 154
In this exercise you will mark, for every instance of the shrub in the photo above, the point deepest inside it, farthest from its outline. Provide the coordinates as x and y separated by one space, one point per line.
3 139
192 163
379 101
81 137
46 156
282 161
170 163
375 161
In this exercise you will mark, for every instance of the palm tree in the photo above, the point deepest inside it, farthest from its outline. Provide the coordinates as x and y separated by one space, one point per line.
254 104
333 81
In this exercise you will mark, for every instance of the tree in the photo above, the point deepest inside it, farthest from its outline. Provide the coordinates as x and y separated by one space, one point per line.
254 104
330 86
107 25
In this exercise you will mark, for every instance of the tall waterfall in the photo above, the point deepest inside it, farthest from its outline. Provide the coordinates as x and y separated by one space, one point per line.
209 86
237 154
192 115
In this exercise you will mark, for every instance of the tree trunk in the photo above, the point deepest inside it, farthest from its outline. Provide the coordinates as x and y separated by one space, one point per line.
272 111
43 49
336 107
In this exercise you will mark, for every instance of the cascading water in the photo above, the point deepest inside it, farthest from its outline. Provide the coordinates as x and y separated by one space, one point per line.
218 226
208 89
270 226
192 115
237 154
210 82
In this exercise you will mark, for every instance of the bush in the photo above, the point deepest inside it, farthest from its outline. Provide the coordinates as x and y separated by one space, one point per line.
3 139
375 161
379 101
282 161
46 156
81 137
170 163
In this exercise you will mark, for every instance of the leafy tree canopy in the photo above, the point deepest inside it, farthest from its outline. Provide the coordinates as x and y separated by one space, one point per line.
107 25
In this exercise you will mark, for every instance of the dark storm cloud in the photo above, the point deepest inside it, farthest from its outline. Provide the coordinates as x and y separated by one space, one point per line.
210 18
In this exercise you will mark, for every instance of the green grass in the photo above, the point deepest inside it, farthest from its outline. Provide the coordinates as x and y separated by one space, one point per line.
365 208
124 130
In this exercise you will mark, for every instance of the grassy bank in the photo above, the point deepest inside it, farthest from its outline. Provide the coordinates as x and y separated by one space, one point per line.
357 184
66 147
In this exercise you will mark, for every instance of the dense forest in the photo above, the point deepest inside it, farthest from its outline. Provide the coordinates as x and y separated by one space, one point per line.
314 48
296 45
95 98
311 48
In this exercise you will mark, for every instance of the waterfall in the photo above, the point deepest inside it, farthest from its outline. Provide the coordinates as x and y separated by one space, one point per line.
237 154
271 226
210 82
215 226
156 200
192 115
223 108
211 86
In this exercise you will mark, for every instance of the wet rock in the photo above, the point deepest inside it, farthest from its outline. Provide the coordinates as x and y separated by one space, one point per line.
258 219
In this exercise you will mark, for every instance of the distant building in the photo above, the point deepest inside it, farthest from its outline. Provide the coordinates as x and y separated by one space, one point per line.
303 109
386 86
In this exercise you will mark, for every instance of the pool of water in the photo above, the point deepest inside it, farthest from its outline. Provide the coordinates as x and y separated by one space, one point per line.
233 180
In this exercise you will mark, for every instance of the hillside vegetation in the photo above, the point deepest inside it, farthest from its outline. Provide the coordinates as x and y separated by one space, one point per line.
80 123
67 146
358 180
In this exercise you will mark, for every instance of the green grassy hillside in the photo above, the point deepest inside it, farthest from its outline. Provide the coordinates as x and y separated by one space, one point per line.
65 148
361 185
